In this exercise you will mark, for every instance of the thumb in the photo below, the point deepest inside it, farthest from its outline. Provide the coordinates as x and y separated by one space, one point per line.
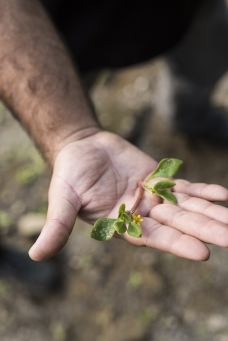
63 207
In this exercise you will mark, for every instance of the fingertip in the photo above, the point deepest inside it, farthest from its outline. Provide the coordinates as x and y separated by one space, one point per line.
205 255
202 190
202 255
218 194
223 194
215 192
191 248
41 249
34 254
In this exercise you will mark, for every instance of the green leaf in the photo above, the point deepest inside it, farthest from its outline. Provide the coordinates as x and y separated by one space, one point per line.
120 226
122 210
103 229
167 195
162 189
165 184
166 168
134 230
123 214
159 181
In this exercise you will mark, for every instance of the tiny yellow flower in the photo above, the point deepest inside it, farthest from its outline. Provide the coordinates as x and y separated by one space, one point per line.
137 218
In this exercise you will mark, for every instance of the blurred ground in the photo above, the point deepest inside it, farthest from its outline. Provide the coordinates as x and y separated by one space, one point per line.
110 291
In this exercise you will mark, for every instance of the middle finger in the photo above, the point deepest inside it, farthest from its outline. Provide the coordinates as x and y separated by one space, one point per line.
207 208
191 223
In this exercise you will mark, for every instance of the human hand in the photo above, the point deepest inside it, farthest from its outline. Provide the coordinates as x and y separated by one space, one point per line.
94 175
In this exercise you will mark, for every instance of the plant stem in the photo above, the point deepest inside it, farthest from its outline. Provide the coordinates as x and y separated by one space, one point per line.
138 198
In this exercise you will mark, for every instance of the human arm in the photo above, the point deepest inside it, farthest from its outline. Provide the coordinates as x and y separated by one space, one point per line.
38 80
93 171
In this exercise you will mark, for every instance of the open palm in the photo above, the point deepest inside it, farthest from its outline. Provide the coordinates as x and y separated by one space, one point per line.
93 176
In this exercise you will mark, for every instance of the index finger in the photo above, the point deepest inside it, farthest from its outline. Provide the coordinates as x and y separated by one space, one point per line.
202 190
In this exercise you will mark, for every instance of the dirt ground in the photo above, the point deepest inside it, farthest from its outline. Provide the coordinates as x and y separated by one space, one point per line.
110 291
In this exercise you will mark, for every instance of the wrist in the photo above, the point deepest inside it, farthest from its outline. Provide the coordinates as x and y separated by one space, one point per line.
67 137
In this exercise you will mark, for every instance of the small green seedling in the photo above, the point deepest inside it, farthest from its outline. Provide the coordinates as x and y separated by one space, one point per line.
160 183
104 228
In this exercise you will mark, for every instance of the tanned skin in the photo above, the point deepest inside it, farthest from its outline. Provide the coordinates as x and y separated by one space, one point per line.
38 80
93 171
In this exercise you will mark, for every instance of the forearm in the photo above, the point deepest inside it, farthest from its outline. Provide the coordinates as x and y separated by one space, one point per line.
38 81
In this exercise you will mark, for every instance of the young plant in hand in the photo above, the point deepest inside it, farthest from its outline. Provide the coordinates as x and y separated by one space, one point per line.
160 182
